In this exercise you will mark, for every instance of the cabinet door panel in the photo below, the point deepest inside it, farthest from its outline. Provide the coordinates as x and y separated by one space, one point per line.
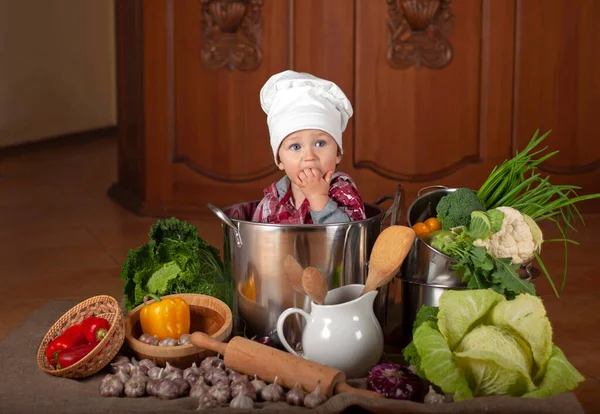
220 128
428 126
557 85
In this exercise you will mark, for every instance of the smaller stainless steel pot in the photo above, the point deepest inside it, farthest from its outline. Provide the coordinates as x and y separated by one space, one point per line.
424 264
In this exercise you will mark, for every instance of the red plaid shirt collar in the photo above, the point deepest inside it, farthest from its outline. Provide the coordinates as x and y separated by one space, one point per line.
278 206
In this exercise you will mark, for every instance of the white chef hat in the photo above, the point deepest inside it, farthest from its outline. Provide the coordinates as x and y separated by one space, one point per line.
295 101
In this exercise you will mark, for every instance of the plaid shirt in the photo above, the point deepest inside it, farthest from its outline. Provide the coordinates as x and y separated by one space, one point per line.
278 207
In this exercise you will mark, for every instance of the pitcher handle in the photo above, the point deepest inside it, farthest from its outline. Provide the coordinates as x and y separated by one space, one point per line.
395 209
280 321
226 220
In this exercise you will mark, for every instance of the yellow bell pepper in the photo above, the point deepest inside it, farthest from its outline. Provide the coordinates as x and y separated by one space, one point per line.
166 318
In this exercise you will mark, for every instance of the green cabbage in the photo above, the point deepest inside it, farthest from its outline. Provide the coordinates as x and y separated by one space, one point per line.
481 344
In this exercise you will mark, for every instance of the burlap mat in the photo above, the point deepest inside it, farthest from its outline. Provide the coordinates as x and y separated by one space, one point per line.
24 388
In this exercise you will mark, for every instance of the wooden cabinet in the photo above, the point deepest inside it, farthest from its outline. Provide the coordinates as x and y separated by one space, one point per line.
192 132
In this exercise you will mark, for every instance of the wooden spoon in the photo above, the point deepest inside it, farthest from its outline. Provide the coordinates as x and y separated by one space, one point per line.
293 271
315 285
390 250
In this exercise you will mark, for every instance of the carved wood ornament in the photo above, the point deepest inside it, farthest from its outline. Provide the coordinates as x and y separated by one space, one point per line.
231 34
419 33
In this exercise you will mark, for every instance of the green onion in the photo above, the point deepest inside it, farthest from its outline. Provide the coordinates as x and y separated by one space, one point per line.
507 186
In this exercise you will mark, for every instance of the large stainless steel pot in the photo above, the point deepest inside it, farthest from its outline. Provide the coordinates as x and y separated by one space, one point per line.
254 253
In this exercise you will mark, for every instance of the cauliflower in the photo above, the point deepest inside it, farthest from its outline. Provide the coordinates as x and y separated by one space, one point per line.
514 239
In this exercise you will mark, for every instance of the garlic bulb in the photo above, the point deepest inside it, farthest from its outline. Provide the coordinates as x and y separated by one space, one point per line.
315 398
211 362
243 387
111 386
433 397
136 386
156 373
273 392
199 389
216 376
168 342
221 392
242 401
207 401
259 385
296 395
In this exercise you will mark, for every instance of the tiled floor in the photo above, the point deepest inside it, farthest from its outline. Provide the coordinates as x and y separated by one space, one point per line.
62 238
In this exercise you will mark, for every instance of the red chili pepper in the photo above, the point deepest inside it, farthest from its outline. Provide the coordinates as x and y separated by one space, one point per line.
71 337
67 357
95 328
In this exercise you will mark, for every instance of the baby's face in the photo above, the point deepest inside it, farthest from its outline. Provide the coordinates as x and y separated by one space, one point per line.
309 148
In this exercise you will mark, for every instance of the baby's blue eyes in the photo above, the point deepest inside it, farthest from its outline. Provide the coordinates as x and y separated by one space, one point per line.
296 147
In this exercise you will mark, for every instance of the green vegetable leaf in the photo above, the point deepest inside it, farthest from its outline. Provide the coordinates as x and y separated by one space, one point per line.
482 259
496 218
560 376
459 312
442 241
411 356
526 316
174 230
505 275
437 362
480 227
160 279
425 314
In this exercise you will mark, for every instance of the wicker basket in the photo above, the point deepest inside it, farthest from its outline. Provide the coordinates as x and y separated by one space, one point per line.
102 306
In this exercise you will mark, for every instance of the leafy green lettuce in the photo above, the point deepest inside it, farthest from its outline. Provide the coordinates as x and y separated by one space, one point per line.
478 343
175 260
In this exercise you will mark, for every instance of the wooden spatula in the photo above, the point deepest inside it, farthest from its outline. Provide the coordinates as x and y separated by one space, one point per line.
314 285
293 272
389 251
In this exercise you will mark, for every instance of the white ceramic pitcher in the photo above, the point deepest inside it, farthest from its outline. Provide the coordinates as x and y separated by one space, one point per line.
344 333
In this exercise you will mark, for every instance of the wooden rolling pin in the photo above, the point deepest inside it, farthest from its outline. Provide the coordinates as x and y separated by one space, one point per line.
252 358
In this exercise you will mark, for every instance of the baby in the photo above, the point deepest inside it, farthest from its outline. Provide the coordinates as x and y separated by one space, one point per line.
306 117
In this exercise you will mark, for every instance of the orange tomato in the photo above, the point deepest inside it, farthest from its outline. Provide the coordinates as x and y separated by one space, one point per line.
433 224
421 229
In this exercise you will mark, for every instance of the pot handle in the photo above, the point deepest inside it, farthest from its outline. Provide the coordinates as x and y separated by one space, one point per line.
530 273
280 321
441 187
395 208
223 217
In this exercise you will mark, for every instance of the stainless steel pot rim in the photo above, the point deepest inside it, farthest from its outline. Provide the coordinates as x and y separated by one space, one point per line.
253 223
431 285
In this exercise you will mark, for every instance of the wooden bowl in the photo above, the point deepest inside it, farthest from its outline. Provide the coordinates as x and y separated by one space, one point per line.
103 306
207 314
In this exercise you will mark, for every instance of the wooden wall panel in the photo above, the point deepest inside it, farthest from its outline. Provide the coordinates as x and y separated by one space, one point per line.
420 111
324 46
557 85
421 127
220 128
191 134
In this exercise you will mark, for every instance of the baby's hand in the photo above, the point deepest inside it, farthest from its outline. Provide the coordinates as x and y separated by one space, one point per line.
315 187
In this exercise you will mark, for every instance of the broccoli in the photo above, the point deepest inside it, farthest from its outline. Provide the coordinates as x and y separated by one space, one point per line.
455 209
